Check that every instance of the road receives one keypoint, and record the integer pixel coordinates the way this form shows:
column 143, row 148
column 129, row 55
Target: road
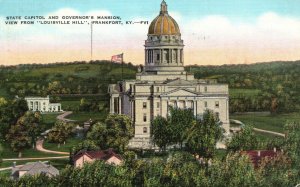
column 63, row 116
column 259, row 130
column 39, row 147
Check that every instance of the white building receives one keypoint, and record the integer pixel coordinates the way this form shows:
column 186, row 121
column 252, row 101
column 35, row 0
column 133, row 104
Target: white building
column 42, row 104
column 163, row 83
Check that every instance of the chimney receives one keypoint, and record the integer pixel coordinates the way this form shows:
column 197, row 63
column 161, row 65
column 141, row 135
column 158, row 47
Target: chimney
column 274, row 150
column 258, row 153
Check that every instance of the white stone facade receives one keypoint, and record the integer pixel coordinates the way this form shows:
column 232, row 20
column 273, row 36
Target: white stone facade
column 42, row 104
column 164, row 83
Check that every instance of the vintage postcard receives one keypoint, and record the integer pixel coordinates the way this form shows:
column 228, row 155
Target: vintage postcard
column 149, row 93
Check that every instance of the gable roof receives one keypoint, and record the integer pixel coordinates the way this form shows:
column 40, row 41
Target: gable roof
column 180, row 92
column 97, row 155
column 256, row 158
column 36, row 168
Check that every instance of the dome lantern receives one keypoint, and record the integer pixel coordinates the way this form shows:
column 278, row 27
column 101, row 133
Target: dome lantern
column 163, row 7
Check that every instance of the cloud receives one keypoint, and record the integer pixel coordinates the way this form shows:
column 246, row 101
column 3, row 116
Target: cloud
column 211, row 39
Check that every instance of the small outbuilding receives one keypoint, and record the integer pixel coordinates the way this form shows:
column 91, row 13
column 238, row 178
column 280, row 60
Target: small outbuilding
column 34, row 168
column 109, row 156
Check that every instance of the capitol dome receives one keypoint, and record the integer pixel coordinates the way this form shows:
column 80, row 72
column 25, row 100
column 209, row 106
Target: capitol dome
column 164, row 24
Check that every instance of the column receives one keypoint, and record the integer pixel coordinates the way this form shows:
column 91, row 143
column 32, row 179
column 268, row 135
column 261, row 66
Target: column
column 111, row 105
column 160, row 55
column 146, row 56
column 167, row 108
column 182, row 57
column 194, row 107
column 178, row 56
column 170, row 55
column 163, row 56
column 152, row 56
column 120, row 105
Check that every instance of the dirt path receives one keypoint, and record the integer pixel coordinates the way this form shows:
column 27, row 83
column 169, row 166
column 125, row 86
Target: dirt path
column 9, row 168
column 42, row 158
column 63, row 116
column 259, row 130
column 269, row 132
column 39, row 147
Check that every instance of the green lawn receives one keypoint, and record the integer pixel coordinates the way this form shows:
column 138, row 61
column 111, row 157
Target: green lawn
column 28, row 153
column 84, row 116
column 49, row 119
column 3, row 93
column 70, row 105
column 70, row 143
column 5, row 173
column 266, row 136
column 267, row 121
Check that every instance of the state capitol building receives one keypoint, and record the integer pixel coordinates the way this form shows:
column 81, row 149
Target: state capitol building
column 163, row 83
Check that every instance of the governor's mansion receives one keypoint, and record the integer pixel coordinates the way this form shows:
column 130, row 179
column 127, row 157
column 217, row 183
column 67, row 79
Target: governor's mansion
column 163, row 83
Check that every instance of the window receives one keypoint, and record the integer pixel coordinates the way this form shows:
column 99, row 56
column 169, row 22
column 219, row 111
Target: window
column 205, row 103
column 157, row 89
column 217, row 115
column 217, row 104
column 144, row 105
column 205, row 88
column 157, row 105
column 145, row 118
column 145, row 130
column 157, row 57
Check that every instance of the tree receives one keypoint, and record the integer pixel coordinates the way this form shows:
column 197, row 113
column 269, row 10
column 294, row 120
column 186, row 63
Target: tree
column 24, row 132
column 98, row 134
column 181, row 169
column 18, row 138
column 87, row 145
column 174, row 129
column 204, row 134
column 3, row 102
column 1, row 151
column 32, row 123
column 10, row 112
column 243, row 140
column 60, row 132
column 160, row 132
column 292, row 142
column 120, row 130
column 236, row 170
column 114, row 133
column 180, row 121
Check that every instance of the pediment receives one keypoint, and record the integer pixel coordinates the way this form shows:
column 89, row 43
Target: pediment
column 180, row 93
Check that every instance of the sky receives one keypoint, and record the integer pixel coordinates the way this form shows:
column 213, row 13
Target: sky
column 214, row 32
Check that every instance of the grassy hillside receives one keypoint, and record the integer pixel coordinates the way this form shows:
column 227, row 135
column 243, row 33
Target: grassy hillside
column 254, row 87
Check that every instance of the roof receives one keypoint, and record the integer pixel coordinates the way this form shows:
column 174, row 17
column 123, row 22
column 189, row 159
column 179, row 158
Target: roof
column 257, row 155
column 36, row 168
column 164, row 24
column 97, row 155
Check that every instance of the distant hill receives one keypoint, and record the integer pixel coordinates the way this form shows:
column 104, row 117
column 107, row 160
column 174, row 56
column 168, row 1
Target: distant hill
column 260, row 82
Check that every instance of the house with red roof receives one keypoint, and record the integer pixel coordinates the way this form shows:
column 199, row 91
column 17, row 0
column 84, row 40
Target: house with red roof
column 108, row 156
column 256, row 156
